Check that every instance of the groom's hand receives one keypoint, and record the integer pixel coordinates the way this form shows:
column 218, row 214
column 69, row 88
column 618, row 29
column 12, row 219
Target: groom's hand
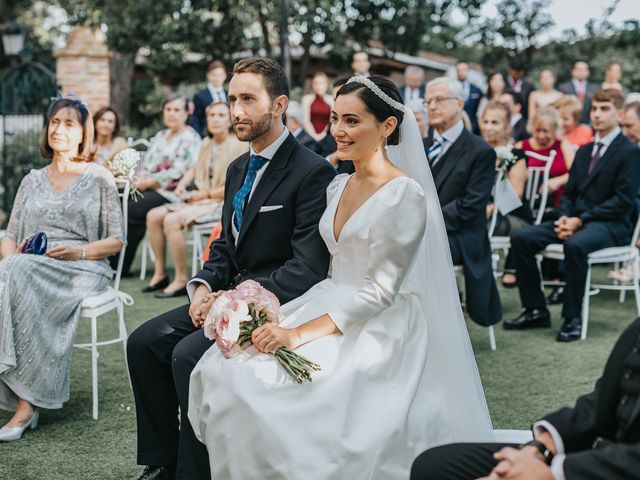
column 195, row 309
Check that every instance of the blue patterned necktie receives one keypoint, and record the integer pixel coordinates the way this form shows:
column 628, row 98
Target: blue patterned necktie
column 255, row 163
column 434, row 152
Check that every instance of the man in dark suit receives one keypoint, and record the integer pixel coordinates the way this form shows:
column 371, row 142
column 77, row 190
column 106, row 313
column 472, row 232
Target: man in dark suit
column 580, row 86
column 463, row 168
column 513, row 100
column 595, row 212
column 274, row 198
column 413, row 88
column 470, row 93
column 598, row 439
column 294, row 123
column 213, row 92
column 517, row 82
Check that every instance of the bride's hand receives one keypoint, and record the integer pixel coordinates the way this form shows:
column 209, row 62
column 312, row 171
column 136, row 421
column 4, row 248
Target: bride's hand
column 270, row 338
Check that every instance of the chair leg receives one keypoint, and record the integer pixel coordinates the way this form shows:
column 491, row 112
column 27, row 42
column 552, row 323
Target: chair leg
column 94, row 365
column 143, row 261
column 636, row 278
column 122, row 329
column 492, row 338
column 585, row 305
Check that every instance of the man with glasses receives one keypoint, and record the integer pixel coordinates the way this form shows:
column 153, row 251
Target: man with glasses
column 463, row 168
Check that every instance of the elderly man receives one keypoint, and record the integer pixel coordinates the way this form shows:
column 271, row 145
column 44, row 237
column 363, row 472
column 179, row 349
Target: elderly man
column 463, row 168
column 294, row 118
column 630, row 122
column 413, row 88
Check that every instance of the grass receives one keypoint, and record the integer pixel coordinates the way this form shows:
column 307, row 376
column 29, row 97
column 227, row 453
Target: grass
column 529, row 375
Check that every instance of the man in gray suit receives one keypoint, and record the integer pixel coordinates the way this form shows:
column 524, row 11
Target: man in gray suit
column 580, row 86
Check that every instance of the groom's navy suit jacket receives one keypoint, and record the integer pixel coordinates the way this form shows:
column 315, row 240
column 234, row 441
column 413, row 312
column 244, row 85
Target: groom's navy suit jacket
column 279, row 244
column 464, row 177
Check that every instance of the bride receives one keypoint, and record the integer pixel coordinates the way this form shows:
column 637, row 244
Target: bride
column 398, row 372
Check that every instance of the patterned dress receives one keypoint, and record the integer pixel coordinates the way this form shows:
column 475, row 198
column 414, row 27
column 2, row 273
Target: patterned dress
column 40, row 296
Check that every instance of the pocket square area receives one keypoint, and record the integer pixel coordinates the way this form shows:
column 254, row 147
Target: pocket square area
column 270, row 208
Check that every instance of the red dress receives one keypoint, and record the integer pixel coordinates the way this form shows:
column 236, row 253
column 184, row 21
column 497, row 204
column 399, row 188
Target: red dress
column 320, row 114
column 558, row 167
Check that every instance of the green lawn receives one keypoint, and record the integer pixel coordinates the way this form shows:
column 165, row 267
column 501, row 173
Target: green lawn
column 528, row 375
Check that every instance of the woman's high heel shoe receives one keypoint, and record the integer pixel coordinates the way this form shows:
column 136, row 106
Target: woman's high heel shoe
column 9, row 434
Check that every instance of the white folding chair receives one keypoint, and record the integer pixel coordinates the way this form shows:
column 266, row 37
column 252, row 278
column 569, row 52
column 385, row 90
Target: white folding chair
column 536, row 193
column 198, row 232
column 98, row 305
column 626, row 254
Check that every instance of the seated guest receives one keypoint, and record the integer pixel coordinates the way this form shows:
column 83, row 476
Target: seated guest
column 597, row 439
column 316, row 107
column 546, row 129
column 107, row 141
column 630, row 122
column 75, row 203
column 595, row 212
column 294, row 122
column 463, row 168
column 422, row 116
column 495, row 88
column 413, row 88
column 570, row 110
column 172, row 152
column 213, row 92
column 494, row 125
column 546, row 95
column 217, row 151
column 471, row 94
column 518, row 122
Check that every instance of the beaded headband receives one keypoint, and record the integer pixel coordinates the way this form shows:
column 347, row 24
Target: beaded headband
column 379, row 93
column 72, row 98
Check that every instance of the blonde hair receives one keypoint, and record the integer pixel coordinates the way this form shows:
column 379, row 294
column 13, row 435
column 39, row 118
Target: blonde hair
column 572, row 103
column 550, row 114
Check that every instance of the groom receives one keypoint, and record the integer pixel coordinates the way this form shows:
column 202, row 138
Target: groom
column 274, row 198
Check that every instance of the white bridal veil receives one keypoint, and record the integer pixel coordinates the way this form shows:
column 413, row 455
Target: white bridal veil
column 450, row 371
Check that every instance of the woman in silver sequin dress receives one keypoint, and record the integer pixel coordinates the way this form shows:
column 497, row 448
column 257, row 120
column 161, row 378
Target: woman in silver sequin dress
column 75, row 202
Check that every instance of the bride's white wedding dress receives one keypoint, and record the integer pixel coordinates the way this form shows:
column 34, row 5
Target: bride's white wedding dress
column 380, row 399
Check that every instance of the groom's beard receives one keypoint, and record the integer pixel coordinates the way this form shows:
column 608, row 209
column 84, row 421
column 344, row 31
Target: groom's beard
column 257, row 129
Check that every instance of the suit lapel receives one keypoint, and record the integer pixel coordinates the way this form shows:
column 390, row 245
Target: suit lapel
column 448, row 161
column 603, row 160
column 273, row 175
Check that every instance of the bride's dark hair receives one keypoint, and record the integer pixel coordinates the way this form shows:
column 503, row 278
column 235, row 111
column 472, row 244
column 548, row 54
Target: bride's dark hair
column 380, row 109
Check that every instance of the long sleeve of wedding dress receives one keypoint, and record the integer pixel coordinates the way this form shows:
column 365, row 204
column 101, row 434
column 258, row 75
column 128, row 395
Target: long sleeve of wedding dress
column 393, row 237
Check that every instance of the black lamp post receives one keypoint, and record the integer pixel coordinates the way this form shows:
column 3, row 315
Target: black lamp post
column 12, row 38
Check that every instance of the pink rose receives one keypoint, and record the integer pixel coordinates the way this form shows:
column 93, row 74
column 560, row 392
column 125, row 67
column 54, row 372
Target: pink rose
column 225, row 317
column 227, row 348
column 263, row 300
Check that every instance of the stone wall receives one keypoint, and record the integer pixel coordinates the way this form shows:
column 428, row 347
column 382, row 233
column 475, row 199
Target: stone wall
column 82, row 67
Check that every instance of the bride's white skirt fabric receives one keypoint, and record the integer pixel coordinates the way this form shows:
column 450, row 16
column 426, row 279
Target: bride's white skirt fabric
column 366, row 415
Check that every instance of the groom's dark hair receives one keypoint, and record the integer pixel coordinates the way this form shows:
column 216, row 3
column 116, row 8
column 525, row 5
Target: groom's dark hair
column 273, row 76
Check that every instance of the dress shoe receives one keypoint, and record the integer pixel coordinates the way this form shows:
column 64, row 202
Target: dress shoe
column 157, row 473
column 176, row 293
column 9, row 434
column 161, row 285
column 529, row 318
column 571, row 330
column 556, row 297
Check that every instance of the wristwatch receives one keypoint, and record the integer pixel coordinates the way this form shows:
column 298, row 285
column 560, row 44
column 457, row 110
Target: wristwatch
column 542, row 448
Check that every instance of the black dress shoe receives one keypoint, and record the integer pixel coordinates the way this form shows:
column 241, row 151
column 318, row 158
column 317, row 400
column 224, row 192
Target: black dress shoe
column 161, row 285
column 158, row 473
column 571, row 330
column 529, row 318
column 556, row 297
column 176, row 293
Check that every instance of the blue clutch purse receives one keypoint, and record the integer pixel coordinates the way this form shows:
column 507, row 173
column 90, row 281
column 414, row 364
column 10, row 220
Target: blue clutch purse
column 36, row 244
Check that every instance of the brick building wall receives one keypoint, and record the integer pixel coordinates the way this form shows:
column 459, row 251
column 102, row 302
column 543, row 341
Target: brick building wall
column 82, row 67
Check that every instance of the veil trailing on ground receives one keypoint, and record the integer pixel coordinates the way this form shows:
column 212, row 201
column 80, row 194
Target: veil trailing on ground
column 451, row 367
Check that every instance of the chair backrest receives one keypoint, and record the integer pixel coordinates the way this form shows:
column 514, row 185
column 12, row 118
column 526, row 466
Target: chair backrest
column 137, row 142
column 538, row 179
column 494, row 213
column 124, row 187
column 636, row 232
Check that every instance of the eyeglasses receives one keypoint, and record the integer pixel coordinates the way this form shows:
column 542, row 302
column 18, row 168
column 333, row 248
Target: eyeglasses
column 437, row 100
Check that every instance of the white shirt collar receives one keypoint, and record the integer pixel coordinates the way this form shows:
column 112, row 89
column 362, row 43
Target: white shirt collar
column 271, row 150
column 515, row 119
column 607, row 139
column 451, row 135
column 579, row 84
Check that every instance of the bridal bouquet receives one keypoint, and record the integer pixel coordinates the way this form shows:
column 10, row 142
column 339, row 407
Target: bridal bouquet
column 237, row 313
column 124, row 165
column 505, row 158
